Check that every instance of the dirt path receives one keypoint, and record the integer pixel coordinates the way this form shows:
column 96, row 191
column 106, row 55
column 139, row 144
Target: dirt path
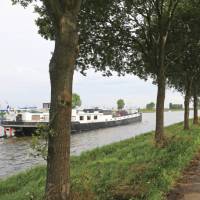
column 188, row 187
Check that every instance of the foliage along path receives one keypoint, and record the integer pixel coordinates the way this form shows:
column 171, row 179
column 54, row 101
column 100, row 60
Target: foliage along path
column 188, row 187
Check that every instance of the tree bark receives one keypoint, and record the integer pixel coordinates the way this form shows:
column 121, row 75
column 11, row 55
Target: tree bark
column 61, row 75
column 186, row 104
column 195, row 105
column 159, row 133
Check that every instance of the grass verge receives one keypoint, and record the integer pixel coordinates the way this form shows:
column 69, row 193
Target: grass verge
column 133, row 169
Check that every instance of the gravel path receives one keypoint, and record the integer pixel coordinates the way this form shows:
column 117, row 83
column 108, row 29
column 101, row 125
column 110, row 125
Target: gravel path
column 188, row 187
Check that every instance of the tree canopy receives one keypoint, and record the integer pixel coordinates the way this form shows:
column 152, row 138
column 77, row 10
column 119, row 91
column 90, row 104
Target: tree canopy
column 120, row 104
column 150, row 106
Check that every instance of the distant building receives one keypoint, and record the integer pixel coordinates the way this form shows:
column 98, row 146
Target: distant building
column 46, row 106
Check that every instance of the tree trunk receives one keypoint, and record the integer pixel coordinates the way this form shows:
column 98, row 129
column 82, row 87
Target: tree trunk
column 159, row 133
column 195, row 105
column 186, row 104
column 61, row 75
column 160, row 104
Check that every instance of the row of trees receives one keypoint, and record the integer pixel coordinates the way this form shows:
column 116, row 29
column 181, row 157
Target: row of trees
column 147, row 38
column 175, row 106
column 184, row 71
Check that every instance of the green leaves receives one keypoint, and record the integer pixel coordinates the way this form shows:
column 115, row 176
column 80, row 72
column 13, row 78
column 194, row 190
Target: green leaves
column 46, row 28
column 39, row 142
column 76, row 100
column 23, row 3
column 183, row 40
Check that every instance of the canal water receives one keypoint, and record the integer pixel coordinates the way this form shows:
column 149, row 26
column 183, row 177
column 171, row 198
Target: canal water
column 15, row 153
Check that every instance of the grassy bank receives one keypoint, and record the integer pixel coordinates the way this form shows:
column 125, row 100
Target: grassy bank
column 129, row 170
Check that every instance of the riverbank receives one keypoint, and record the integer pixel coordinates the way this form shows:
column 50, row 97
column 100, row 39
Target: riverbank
column 131, row 169
column 144, row 110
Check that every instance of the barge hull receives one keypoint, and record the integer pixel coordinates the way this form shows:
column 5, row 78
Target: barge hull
column 100, row 125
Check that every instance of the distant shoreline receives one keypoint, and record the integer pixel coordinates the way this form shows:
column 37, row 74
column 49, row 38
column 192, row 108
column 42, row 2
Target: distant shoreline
column 144, row 110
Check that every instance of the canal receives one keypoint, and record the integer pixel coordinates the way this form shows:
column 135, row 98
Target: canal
column 15, row 153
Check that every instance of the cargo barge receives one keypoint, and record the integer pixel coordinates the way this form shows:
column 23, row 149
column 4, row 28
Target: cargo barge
column 24, row 123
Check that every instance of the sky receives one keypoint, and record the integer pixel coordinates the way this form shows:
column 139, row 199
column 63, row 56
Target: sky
column 24, row 76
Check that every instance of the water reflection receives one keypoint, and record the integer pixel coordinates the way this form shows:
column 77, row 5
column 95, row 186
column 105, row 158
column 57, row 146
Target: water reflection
column 15, row 152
